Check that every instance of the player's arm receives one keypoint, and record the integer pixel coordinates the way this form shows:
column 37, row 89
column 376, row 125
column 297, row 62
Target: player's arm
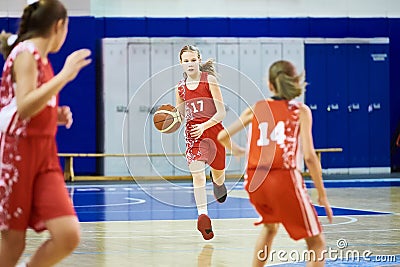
column 31, row 101
column 311, row 159
column 224, row 137
column 179, row 103
column 218, row 102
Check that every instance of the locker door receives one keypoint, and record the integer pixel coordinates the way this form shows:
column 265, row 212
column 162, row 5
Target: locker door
column 337, row 88
column 228, row 69
column 270, row 52
column 115, row 97
column 139, row 118
column 251, row 74
column 179, row 145
column 293, row 51
column 162, row 92
column 379, row 106
column 358, row 150
column 316, row 93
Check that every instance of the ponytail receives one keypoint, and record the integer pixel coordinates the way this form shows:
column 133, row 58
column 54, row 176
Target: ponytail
column 5, row 43
column 209, row 67
column 287, row 83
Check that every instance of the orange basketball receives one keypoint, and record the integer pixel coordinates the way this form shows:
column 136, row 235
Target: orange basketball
column 167, row 119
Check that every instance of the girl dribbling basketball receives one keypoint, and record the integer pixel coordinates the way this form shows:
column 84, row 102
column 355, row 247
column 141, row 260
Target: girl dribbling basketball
column 199, row 97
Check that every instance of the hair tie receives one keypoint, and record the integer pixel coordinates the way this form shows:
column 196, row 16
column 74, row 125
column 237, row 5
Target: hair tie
column 30, row 2
column 11, row 39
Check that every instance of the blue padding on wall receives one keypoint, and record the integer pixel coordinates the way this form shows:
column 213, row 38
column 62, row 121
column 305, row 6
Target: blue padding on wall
column 100, row 28
column 394, row 30
column 249, row 27
column 288, row 27
column 80, row 94
column 208, row 27
column 13, row 24
column 368, row 27
column 165, row 27
column 122, row 27
column 328, row 27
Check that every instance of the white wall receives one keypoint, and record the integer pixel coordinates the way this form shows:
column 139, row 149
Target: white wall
column 14, row 8
column 246, row 8
column 219, row 8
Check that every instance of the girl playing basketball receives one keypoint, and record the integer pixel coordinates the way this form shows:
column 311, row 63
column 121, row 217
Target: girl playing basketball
column 273, row 179
column 199, row 97
column 32, row 188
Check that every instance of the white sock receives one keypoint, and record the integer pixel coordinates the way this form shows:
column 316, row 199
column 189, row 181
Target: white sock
column 200, row 197
column 22, row 264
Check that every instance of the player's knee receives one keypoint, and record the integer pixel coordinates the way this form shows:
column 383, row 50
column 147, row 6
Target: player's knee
column 316, row 242
column 68, row 239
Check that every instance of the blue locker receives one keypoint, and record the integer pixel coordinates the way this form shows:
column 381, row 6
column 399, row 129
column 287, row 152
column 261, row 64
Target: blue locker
column 378, row 108
column 336, row 108
column 316, row 94
column 358, row 70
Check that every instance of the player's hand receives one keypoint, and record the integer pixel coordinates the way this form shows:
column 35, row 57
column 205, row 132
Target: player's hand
column 323, row 201
column 197, row 130
column 64, row 116
column 75, row 62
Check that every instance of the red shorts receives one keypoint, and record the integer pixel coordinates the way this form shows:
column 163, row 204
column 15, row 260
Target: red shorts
column 282, row 198
column 32, row 187
column 206, row 148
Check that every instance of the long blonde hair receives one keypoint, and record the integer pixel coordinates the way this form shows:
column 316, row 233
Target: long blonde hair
column 207, row 66
column 287, row 83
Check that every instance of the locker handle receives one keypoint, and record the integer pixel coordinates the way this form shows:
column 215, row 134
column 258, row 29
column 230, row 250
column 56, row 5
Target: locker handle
column 353, row 106
column 374, row 106
column 122, row 109
column 313, row 106
column 332, row 107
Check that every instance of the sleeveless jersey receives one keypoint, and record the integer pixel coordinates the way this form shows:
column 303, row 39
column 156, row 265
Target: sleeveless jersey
column 199, row 103
column 42, row 124
column 274, row 134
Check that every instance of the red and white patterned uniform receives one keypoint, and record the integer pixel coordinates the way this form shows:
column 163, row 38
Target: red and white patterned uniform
column 32, row 188
column 273, row 179
column 199, row 108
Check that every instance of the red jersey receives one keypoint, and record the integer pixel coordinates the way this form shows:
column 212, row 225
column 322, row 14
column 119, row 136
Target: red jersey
column 42, row 124
column 199, row 108
column 199, row 103
column 274, row 133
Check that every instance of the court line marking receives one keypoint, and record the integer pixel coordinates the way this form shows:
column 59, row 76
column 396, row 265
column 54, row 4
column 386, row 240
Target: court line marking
column 137, row 201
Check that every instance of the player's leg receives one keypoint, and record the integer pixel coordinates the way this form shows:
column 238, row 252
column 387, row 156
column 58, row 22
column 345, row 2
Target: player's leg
column 219, row 188
column 64, row 238
column 12, row 246
column 197, row 169
column 264, row 243
column 316, row 244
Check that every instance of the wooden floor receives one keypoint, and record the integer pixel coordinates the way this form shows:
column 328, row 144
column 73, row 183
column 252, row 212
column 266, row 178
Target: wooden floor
column 372, row 222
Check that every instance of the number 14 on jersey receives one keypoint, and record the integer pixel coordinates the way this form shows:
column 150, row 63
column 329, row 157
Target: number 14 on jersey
column 277, row 134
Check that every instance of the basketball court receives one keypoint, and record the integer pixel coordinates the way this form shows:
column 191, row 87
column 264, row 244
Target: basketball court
column 154, row 224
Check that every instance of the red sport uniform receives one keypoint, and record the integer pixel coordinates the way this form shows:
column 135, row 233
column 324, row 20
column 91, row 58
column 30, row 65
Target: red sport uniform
column 273, row 179
column 199, row 108
column 32, row 187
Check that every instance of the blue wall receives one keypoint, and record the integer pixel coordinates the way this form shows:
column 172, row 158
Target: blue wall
column 81, row 94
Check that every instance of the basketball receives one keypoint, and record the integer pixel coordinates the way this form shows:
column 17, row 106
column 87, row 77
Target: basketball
column 167, row 119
